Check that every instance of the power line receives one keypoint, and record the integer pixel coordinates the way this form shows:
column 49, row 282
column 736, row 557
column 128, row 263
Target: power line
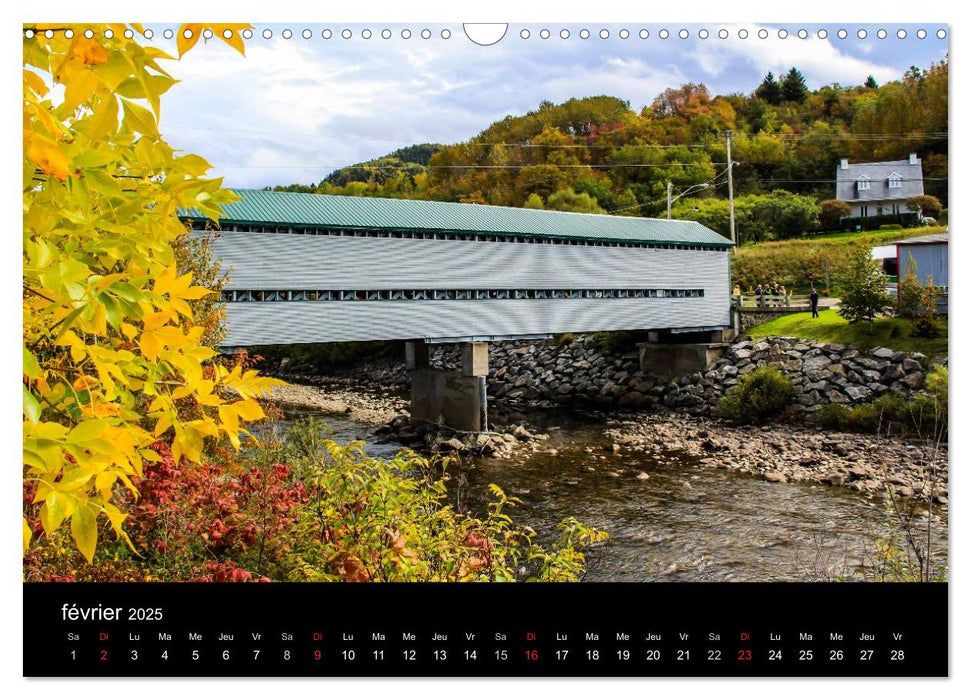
column 784, row 137
column 478, row 167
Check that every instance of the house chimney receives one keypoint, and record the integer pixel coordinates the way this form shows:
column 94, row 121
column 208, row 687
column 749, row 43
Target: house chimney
column 913, row 159
column 844, row 163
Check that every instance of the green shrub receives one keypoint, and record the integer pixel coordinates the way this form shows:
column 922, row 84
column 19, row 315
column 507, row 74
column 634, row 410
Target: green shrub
column 923, row 415
column 761, row 395
column 890, row 227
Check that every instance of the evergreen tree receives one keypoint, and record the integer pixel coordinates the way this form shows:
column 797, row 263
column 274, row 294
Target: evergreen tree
column 862, row 288
column 769, row 90
column 871, row 83
column 793, row 86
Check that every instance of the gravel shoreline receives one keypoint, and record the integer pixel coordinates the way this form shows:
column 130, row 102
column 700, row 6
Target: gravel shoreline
column 866, row 463
column 777, row 453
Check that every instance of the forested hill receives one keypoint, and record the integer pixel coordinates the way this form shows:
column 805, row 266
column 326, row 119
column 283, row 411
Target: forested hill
column 599, row 154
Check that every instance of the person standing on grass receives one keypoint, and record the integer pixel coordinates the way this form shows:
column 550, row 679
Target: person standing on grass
column 814, row 302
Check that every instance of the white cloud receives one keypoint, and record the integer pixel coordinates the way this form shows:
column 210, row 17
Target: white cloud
column 312, row 106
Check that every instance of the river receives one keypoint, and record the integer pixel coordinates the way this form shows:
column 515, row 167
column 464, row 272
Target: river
column 686, row 522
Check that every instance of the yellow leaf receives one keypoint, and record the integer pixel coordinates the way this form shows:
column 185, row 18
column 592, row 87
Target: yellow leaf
column 90, row 51
column 80, row 87
column 84, row 529
column 195, row 293
column 163, row 283
column 35, row 83
column 49, row 157
column 185, row 43
column 249, row 410
column 235, row 38
column 139, row 119
column 27, row 536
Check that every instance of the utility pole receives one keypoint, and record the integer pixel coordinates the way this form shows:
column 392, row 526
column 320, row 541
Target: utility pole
column 731, row 190
column 670, row 188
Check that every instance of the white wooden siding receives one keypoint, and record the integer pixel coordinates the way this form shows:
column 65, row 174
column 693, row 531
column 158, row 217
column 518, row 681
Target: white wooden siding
column 271, row 261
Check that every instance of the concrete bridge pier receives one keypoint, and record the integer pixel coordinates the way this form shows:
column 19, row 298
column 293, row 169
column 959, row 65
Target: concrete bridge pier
column 457, row 399
column 670, row 354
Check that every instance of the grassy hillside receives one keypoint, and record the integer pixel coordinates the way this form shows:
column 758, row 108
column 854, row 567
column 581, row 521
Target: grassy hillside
column 791, row 262
column 830, row 327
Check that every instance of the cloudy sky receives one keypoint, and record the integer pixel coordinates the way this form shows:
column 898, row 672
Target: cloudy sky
column 295, row 109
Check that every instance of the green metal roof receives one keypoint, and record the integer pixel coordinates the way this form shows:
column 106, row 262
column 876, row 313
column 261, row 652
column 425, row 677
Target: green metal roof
column 261, row 207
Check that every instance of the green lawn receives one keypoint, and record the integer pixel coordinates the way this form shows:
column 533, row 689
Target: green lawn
column 830, row 327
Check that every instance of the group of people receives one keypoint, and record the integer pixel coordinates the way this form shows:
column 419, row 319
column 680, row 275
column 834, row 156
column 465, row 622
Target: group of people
column 771, row 295
column 777, row 295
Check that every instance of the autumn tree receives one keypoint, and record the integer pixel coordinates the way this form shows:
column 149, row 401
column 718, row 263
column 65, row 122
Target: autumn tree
column 113, row 359
column 926, row 204
column 832, row 211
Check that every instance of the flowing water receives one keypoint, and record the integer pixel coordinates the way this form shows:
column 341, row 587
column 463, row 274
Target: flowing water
column 686, row 522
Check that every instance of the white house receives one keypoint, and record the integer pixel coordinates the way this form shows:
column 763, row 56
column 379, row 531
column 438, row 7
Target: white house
column 878, row 189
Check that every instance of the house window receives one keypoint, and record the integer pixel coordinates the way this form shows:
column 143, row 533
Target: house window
column 894, row 180
column 863, row 211
column 863, row 183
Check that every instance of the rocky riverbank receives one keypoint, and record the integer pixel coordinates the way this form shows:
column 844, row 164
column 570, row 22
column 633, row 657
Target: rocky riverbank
column 787, row 453
column 777, row 453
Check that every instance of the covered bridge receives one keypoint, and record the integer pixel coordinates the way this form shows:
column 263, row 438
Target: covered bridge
column 305, row 268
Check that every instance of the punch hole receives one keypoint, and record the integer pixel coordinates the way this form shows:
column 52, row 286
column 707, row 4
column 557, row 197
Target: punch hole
column 703, row 34
column 486, row 34
column 802, row 34
column 168, row 34
column 524, row 34
column 564, row 33
column 207, row 34
column 247, row 33
column 385, row 33
column 881, row 34
column 763, row 34
column 267, row 34
column 901, row 33
column 405, row 33
column 783, row 34
column 446, row 34
column 722, row 33
column 544, row 33
column 643, row 34
column 366, row 34
column 842, row 33
column 346, row 34
column 149, row 34
column 664, row 33
column 306, row 34
column 921, row 33
column 822, row 34
column 743, row 33
column 287, row 34
column 941, row 33
column 326, row 34
column 69, row 33
column 604, row 34
column 426, row 34
column 584, row 33
column 623, row 34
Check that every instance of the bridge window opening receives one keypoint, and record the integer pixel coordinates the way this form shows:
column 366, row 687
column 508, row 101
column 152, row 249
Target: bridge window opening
column 256, row 295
